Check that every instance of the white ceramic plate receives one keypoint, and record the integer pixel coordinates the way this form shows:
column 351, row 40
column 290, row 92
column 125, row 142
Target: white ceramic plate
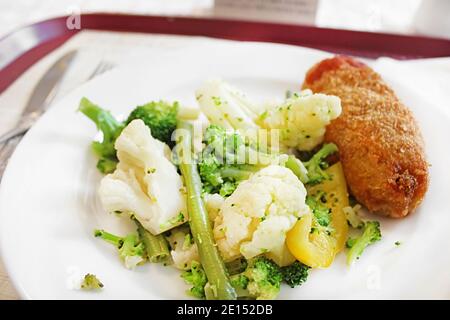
column 49, row 207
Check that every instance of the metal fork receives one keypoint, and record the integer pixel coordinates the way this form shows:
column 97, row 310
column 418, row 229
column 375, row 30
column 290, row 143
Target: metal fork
column 102, row 67
column 9, row 146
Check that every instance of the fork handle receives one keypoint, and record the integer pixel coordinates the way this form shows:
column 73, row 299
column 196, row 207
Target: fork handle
column 12, row 133
column 6, row 151
column 24, row 124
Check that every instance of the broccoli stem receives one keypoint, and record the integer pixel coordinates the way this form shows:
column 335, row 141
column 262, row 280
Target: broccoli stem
column 315, row 165
column 237, row 173
column 324, row 152
column 156, row 247
column 370, row 235
column 106, row 165
column 199, row 220
column 297, row 168
column 109, row 237
column 110, row 127
column 102, row 118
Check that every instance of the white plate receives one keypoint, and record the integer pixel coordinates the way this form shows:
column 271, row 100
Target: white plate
column 49, row 208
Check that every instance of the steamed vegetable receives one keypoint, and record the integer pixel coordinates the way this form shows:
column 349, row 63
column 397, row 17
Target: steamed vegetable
column 213, row 202
column 156, row 247
column 160, row 117
column 196, row 277
column 131, row 250
column 281, row 257
column 371, row 234
column 236, row 266
column 218, row 281
column 295, row 274
column 320, row 211
column 237, row 213
column 225, row 161
column 145, row 183
column 351, row 213
column 310, row 243
column 261, row 279
column 184, row 250
column 226, row 106
column 256, row 217
column 91, row 282
column 334, row 195
column 302, row 118
column 316, row 165
column 229, row 158
column 110, row 128
column 297, row 168
column 318, row 237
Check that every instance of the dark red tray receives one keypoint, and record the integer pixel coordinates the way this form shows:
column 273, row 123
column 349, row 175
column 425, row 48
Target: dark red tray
column 45, row 36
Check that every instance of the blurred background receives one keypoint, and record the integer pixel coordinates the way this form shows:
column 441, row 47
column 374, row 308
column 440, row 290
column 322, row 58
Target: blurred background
column 430, row 17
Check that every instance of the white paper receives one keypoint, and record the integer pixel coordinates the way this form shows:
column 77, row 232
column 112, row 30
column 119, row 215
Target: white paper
column 285, row 11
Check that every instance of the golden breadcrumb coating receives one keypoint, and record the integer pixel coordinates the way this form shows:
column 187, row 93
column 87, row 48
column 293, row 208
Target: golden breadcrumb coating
column 380, row 144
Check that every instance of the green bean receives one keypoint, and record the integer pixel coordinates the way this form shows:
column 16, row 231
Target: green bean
column 219, row 286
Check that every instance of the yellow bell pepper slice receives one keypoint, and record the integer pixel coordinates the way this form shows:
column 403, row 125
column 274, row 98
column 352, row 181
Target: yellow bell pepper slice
column 315, row 249
column 318, row 248
column 336, row 196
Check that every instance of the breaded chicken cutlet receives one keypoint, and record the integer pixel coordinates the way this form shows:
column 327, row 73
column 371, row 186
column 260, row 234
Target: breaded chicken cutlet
column 380, row 144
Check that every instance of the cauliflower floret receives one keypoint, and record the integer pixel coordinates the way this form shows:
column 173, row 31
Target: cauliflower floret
column 145, row 182
column 259, row 213
column 213, row 202
column 302, row 119
column 283, row 257
column 184, row 250
column 225, row 105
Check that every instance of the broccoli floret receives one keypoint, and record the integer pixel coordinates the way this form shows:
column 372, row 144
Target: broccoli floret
column 91, row 282
column 160, row 117
column 350, row 242
column 295, row 274
column 316, row 165
column 224, row 145
column 111, row 129
column 370, row 235
column 261, row 279
column 131, row 250
column 240, row 283
column 222, row 166
column 106, row 166
column 228, row 159
column 320, row 211
column 209, row 170
column 196, row 277
column 228, row 188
